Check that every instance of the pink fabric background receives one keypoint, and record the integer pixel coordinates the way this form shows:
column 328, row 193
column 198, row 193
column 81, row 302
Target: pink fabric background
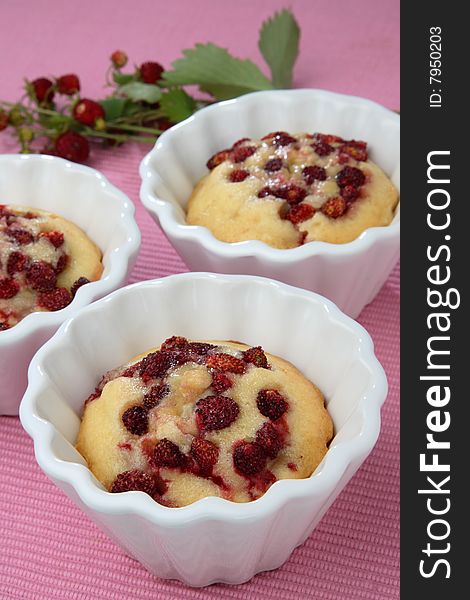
column 49, row 548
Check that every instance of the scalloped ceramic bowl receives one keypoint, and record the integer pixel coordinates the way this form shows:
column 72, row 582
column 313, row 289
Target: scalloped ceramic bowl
column 349, row 274
column 88, row 199
column 212, row 540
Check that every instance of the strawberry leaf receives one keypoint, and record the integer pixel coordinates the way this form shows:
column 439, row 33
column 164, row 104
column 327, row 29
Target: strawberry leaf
column 279, row 45
column 114, row 107
column 137, row 91
column 215, row 71
column 177, row 105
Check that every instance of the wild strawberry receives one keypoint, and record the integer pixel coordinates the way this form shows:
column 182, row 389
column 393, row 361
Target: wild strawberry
column 226, row 363
column 355, row 149
column 43, row 90
column 322, row 148
column 3, row 120
column 273, row 165
column 56, row 238
column 155, row 394
column 41, row 276
column 265, row 191
column 218, row 158
column 216, row 412
column 349, row 193
column 271, row 404
column 249, row 458
column 17, row 262
column 8, row 288
column 175, row 342
column 328, row 138
column 20, row 235
column 240, row 142
column 292, row 193
column 134, row 480
column 72, row 146
column 350, row 176
column 167, row 454
column 334, row 207
column 156, row 365
column 135, row 420
column 55, row 299
column 163, row 124
column 77, row 284
column 205, row 454
column 200, row 348
column 119, row 59
column 88, row 112
column 220, row 382
column 269, row 439
column 68, row 84
column 299, row 213
column 151, row 72
column 314, row 173
column 256, row 356
column 279, row 138
column 238, row 175
column 61, row 263
column 4, row 326
column 241, row 153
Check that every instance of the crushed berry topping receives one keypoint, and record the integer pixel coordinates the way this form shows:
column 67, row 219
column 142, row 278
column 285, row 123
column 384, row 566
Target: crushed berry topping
column 200, row 348
column 135, row 420
column 17, row 262
column 334, row 207
column 241, row 153
column 355, row 149
column 218, row 158
column 56, row 238
column 8, row 288
column 41, row 276
column 271, row 404
column 134, row 480
column 322, row 148
column 350, row 176
column 205, row 454
column 226, row 363
column 299, row 213
column 55, row 299
column 249, row 458
column 314, row 173
column 155, row 394
column 175, row 342
column 273, row 165
column 216, row 412
column 167, row 454
column 78, row 284
column 220, row 382
column 269, row 439
column 238, row 175
column 131, row 371
column 20, row 235
column 256, row 356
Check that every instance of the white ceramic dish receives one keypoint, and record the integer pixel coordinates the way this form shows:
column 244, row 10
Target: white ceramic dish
column 213, row 539
column 88, row 199
column 349, row 274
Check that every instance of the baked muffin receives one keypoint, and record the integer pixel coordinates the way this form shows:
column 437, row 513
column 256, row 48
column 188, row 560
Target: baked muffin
column 197, row 419
column 44, row 259
column 287, row 190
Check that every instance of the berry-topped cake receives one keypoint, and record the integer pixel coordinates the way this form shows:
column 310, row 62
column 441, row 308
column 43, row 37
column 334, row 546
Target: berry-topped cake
column 287, row 190
column 197, row 419
column 44, row 259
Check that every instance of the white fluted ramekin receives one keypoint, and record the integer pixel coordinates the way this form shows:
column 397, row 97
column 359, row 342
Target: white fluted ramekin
column 349, row 274
column 212, row 540
column 85, row 197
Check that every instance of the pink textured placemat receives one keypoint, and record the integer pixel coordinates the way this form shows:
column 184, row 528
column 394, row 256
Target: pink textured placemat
column 49, row 548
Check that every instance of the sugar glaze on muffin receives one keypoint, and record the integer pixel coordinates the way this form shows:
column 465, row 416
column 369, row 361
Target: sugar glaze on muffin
column 287, row 190
column 44, row 259
column 197, row 419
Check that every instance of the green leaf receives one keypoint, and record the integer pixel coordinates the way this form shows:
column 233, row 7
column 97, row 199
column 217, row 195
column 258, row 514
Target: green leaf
column 114, row 107
column 122, row 78
column 279, row 45
column 141, row 91
column 177, row 105
column 215, row 71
